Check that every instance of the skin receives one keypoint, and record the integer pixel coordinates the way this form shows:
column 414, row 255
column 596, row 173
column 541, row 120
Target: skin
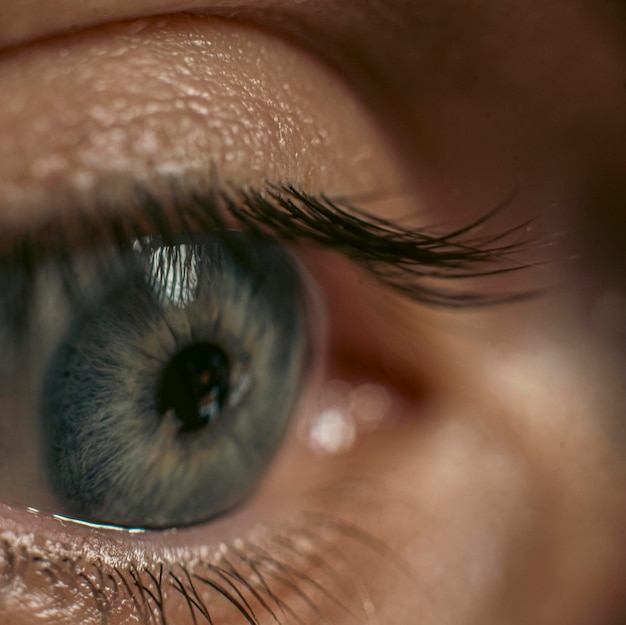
column 498, row 478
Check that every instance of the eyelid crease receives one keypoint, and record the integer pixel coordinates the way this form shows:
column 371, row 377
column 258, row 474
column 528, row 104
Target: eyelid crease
column 403, row 258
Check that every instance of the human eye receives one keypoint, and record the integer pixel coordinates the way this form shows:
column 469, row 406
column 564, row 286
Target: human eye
column 183, row 380
column 278, row 337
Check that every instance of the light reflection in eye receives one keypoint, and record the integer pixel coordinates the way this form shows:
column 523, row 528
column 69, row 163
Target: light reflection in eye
column 172, row 278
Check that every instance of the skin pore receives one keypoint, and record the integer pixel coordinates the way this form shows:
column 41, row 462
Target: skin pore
column 494, row 491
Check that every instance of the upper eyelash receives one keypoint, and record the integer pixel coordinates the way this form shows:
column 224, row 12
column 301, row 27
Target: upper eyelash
column 404, row 259
column 401, row 258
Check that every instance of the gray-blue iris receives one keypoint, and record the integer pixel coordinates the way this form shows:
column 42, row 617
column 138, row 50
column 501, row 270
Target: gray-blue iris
column 169, row 396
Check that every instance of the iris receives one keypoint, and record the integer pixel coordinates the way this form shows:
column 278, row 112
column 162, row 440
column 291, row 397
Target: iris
column 169, row 394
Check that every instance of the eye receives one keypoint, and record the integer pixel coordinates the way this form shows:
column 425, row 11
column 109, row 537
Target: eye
column 166, row 398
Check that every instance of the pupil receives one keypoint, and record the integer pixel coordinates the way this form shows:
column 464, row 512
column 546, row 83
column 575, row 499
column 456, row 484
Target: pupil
column 195, row 386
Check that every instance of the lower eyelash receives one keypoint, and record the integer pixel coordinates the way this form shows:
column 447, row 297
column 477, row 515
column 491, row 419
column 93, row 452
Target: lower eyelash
column 282, row 573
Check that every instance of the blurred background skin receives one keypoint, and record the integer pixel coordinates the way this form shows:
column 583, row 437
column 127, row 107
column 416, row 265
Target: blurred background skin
column 476, row 99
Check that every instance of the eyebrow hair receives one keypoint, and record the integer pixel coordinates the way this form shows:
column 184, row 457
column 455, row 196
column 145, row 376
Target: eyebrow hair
column 424, row 265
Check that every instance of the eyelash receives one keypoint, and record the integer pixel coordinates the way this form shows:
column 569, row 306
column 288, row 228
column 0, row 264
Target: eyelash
column 404, row 259
column 401, row 258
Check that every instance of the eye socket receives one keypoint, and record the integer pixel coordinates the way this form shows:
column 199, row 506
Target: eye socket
column 239, row 108
column 264, row 115
column 167, row 398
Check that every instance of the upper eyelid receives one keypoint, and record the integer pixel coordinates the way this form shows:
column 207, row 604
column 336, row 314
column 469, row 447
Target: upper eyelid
column 257, row 108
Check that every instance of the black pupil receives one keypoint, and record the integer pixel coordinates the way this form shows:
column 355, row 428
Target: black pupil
column 195, row 385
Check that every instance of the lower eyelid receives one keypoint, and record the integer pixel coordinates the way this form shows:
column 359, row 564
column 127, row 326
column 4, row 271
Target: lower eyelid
column 291, row 567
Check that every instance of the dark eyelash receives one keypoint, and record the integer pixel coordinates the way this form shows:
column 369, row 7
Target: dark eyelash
column 405, row 259
column 413, row 262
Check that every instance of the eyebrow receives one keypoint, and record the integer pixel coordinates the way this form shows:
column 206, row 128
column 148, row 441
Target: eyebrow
column 426, row 265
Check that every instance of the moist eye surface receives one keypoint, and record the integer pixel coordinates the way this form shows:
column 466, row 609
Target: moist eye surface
column 168, row 396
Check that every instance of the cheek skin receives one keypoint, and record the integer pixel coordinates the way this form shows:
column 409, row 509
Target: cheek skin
column 557, row 412
column 496, row 484
column 504, row 474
